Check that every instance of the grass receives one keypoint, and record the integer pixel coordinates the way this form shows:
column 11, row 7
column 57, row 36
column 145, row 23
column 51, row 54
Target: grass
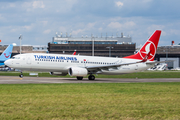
column 145, row 74
column 129, row 101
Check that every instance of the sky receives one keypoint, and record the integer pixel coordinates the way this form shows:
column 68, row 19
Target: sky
column 39, row 20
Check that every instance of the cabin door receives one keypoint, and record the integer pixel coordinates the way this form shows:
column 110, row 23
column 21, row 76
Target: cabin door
column 28, row 61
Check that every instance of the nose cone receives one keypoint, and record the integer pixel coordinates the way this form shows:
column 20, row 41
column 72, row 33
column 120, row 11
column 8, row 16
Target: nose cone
column 7, row 63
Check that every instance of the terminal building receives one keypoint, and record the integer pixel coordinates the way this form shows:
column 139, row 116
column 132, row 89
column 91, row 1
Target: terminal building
column 93, row 46
column 25, row 49
column 171, row 52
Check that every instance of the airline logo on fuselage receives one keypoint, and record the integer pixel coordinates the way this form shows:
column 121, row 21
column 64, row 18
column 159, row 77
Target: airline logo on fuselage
column 55, row 57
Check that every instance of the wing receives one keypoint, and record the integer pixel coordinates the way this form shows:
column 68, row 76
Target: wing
column 115, row 66
column 109, row 67
column 95, row 69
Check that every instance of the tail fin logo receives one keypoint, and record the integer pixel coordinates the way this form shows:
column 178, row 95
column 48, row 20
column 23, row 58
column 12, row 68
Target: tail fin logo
column 148, row 47
column 8, row 55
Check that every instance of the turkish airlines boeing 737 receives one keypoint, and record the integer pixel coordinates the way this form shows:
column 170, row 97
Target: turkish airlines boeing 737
column 80, row 66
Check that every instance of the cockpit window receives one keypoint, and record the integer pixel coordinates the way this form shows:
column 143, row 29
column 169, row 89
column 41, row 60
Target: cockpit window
column 15, row 58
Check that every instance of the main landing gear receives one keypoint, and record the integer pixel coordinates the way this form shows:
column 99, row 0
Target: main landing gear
column 90, row 77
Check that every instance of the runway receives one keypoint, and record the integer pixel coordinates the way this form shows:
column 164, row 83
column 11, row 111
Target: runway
column 46, row 80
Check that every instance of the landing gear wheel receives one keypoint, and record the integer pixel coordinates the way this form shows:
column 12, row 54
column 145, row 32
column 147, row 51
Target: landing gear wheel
column 91, row 77
column 21, row 75
column 79, row 78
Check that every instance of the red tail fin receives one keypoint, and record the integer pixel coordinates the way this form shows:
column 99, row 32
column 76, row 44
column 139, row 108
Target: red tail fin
column 149, row 47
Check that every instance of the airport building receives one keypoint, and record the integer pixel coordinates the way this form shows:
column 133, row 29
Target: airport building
column 172, row 52
column 25, row 49
column 93, row 46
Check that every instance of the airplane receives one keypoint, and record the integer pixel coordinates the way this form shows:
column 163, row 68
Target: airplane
column 81, row 66
column 74, row 53
column 6, row 55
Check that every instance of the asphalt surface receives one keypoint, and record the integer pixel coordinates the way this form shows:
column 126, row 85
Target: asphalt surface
column 45, row 80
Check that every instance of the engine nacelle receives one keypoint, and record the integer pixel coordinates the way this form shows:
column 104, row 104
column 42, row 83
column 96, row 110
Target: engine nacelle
column 77, row 71
column 58, row 73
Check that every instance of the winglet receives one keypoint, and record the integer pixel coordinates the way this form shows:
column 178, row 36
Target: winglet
column 74, row 53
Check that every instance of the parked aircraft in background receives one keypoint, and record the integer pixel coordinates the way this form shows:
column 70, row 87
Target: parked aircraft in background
column 160, row 67
column 80, row 66
column 6, row 55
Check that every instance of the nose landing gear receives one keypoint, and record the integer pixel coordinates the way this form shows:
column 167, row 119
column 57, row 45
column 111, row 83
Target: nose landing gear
column 21, row 75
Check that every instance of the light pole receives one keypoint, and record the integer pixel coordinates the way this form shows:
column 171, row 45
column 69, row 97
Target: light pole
column 20, row 38
column 110, row 50
column 93, row 39
column 167, row 53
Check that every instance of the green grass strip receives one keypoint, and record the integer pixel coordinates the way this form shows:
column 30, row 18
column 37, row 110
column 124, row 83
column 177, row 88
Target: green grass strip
column 122, row 101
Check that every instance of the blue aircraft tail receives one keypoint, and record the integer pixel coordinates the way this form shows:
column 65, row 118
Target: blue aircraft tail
column 7, row 53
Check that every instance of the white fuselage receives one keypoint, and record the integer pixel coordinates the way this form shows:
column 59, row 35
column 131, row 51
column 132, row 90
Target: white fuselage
column 61, row 63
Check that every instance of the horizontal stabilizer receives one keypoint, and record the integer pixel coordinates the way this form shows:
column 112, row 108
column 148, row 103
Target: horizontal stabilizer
column 154, row 62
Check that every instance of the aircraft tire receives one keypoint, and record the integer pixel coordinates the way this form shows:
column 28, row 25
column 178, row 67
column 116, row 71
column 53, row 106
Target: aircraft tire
column 79, row 78
column 21, row 75
column 91, row 77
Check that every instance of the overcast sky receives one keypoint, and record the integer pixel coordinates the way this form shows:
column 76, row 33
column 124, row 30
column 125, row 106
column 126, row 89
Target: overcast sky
column 39, row 20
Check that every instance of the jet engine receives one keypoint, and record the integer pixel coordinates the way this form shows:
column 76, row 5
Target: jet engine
column 77, row 71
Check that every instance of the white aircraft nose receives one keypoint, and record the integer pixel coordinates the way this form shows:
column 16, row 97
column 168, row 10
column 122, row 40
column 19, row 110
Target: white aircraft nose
column 7, row 62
